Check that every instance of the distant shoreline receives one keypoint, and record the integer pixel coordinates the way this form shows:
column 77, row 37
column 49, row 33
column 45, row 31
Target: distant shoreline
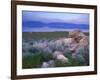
column 83, row 30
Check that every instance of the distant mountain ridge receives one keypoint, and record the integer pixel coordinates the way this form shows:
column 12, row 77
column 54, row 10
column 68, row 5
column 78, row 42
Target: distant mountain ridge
column 68, row 25
column 59, row 25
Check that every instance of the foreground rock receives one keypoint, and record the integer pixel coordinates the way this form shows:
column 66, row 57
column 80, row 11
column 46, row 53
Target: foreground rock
column 48, row 64
column 60, row 56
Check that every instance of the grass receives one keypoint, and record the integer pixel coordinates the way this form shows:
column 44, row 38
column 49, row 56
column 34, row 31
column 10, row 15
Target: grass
column 44, row 35
column 36, row 60
column 32, row 61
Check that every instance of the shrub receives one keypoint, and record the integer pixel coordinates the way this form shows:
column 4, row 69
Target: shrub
column 33, row 61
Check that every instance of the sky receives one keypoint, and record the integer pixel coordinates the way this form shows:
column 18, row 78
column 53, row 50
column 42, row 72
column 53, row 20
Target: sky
column 40, row 21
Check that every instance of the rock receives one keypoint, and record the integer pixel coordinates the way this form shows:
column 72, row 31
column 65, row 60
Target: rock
column 45, row 65
column 60, row 56
column 51, row 63
column 56, row 53
column 48, row 64
column 68, row 41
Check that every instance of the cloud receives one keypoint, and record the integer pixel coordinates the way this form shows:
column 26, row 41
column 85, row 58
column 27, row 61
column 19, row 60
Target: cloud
column 48, row 17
